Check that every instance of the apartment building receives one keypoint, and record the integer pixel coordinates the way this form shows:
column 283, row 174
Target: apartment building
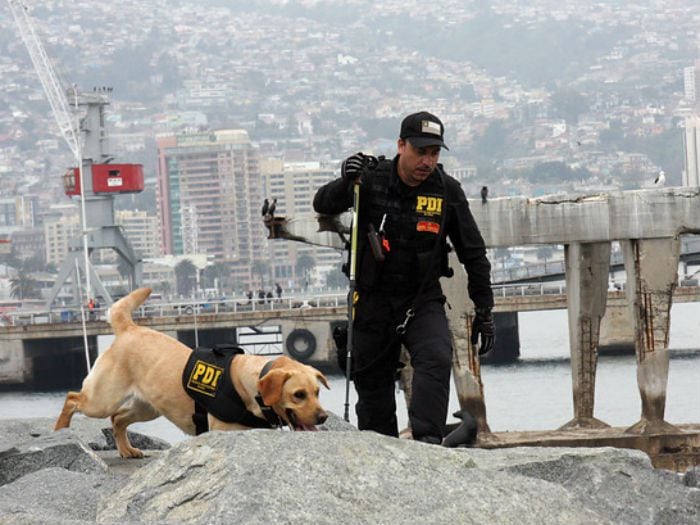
column 294, row 184
column 209, row 194
column 142, row 231
column 58, row 234
column 691, row 149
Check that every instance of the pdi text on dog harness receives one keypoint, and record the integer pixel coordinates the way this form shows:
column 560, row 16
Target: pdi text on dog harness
column 207, row 380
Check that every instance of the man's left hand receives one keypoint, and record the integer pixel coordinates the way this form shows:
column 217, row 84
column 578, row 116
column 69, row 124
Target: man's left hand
column 483, row 327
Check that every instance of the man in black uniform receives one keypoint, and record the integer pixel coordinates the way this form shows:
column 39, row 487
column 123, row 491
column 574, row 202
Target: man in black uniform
column 408, row 207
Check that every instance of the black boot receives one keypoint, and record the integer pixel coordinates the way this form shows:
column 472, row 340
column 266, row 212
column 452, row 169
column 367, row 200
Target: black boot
column 464, row 434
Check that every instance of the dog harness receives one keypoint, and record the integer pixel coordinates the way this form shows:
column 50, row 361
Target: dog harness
column 207, row 380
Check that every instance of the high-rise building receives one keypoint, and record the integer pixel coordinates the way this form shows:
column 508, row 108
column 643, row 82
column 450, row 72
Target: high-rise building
column 294, row 185
column 57, row 235
column 691, row 148
column 18, row 212
column 689, row 83
column 142, row 230
column 209, row 196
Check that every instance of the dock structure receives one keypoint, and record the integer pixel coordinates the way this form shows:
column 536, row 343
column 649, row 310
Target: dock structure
column 648, row 224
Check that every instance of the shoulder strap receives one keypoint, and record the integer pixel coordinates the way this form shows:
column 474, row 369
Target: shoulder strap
column 401, row 329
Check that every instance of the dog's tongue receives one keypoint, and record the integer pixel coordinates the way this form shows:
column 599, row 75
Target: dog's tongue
column 306, row 428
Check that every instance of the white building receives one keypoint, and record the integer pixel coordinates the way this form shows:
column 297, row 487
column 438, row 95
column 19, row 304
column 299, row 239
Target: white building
column 691, row 149
column 294, row 185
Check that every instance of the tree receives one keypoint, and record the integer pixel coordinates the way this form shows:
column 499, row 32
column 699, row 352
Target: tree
column 10, row 259
column 186, row 277
column 305, row 263
column 215, row 275
column 261, row 268
column 24, row 286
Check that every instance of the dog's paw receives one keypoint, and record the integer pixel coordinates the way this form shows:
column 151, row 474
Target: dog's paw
column 131, row 452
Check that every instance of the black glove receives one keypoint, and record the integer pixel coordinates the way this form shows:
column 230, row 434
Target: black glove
column 483, row 326
column 355, row 165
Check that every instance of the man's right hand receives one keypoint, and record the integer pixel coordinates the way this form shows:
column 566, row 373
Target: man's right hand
column 355, row 165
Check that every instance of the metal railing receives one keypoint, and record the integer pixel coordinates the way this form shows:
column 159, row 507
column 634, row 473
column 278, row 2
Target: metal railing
column 176, row 309
column 214, row 307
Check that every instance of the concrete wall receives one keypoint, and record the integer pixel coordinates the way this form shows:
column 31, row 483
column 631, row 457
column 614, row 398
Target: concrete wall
column 12, row 365
column 565, row 219
column 554, row 219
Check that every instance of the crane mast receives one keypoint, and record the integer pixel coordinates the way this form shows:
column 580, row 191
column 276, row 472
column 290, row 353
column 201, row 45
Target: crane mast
column 94, row 179
column 47, row 76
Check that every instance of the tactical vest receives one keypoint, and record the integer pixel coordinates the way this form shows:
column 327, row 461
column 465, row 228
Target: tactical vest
column 411, row 221
column 207, row 379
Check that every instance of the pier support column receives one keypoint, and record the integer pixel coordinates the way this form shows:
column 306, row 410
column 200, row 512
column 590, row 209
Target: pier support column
column 651, row 266
column 466, row 369
column 587, row 266
column 13, row 365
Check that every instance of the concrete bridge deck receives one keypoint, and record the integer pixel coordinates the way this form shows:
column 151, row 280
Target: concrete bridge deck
column 163, row 317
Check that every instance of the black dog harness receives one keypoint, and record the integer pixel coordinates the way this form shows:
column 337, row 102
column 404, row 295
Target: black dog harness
column 207, row 380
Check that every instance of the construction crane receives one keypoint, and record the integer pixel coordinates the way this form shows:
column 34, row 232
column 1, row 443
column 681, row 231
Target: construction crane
column 96, row 181
column 67, row 124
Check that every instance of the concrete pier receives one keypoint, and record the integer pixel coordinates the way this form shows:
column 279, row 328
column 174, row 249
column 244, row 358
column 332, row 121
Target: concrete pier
column 651, row 278
column 586, row 279
column 648, row 223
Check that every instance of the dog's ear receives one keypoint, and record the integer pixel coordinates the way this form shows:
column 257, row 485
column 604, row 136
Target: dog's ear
column 322, row 379
column 270, row 386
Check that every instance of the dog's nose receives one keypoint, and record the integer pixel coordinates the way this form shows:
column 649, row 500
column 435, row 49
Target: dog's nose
column 321, row 417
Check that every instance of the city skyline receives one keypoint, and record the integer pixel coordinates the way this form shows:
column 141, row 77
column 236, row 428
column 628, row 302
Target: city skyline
column 604, row 109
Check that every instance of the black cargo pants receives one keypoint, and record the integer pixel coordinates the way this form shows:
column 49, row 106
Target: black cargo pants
column 374, row 365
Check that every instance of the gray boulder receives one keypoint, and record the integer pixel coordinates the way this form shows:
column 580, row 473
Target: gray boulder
column 337, row 423
column 55, row 495
column 60, row 449
column 264, row 476
column 96, row 433
column 330, row 476
column 618, row 483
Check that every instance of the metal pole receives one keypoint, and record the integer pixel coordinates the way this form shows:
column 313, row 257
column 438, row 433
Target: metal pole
column 196, row 332
column 351, row 295
column 79, row 160
column 82, row 317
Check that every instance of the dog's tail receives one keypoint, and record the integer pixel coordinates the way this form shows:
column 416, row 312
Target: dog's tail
column 119, row 314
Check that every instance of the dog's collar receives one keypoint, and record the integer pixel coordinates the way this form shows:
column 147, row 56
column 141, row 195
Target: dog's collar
column 270, row 415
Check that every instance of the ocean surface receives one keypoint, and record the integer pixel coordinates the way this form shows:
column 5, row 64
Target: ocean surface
column 533, row 394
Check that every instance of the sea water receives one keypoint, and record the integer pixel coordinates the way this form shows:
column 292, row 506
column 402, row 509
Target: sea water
column 532, row 394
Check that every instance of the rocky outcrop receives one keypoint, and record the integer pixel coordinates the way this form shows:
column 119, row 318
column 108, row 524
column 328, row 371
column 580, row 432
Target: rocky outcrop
column 95, row 433
column 267, row 476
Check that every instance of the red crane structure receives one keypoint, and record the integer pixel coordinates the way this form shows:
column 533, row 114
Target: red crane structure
column 95, row 180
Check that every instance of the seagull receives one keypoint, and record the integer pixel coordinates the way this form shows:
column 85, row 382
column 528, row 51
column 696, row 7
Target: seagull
column 266, row 207
column 484, row 194
column 661, row 179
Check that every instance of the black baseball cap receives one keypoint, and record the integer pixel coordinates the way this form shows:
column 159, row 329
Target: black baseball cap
column 423, row 129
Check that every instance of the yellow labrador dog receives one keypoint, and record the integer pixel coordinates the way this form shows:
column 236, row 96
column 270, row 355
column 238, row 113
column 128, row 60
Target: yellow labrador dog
column 140, row 377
